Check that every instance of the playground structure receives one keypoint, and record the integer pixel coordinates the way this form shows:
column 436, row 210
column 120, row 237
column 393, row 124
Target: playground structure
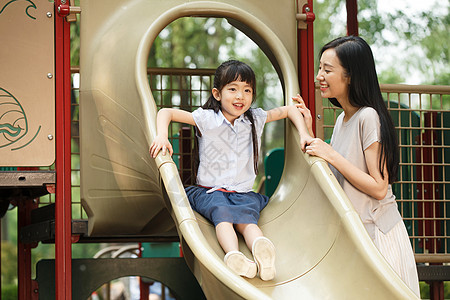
column 120, row 182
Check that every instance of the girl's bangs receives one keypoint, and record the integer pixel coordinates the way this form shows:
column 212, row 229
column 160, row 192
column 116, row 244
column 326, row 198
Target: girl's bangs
column 239, row 73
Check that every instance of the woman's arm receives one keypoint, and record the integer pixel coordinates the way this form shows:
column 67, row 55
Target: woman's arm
column 163, row 119
column 371, row 184
column 295, row 116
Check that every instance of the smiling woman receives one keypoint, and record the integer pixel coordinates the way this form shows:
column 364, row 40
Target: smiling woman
column 332, row 77
column 363, row 152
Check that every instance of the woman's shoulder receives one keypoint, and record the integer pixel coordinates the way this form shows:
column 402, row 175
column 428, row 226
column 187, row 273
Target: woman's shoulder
column 370, row 116
column 368, row 112
column 369, row 119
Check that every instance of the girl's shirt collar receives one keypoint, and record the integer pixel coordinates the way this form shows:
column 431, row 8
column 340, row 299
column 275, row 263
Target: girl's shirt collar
column 220, row 118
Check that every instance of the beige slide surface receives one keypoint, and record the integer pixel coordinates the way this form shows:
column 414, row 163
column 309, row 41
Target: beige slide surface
column 323, row 251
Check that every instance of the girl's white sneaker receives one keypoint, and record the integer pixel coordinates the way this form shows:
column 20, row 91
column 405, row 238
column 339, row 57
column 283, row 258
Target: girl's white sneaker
column 264, row 255
column 240, row 264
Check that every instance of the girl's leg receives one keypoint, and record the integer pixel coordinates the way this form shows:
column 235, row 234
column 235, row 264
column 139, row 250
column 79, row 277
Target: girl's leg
column 250, row 232
column 234, row 259
column 262, row 248
column 227, row 237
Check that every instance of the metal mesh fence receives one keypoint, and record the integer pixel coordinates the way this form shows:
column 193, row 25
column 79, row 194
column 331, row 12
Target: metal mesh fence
column 421, row 115
column 185, row 89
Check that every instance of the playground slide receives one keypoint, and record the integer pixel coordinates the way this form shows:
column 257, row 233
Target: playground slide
column 323, row 251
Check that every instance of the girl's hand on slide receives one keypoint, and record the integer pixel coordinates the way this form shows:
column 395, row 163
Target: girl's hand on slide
column 160, row 144
column 305, row 112
column 304, row 141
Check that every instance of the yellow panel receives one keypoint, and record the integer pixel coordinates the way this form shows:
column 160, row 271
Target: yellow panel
column 27, row 97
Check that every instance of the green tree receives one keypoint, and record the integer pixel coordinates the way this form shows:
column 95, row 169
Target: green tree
column 327, row 24
column 9, row 263
column 416, row 42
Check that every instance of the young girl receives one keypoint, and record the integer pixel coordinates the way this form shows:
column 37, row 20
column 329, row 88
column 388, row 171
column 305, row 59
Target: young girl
column 229, row 136
column 363, row 154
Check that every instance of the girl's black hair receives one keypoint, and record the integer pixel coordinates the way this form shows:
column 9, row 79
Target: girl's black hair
column 357, row 59
column 229, row 71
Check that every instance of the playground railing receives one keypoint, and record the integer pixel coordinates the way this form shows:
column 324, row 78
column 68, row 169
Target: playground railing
column 421, row 114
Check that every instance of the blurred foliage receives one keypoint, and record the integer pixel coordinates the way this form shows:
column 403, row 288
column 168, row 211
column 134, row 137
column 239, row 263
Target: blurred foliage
column 9, row 292
column 425, row 290
column 417, row 42
column 8, row 263
column 192, row 43
column 75, row 40
column 326, row 25
column 75, row 43
column 425, row 40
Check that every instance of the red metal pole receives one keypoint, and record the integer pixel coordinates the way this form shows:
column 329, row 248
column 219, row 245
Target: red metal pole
column 429, row 209
column 437, row 290
column 144, row 288
column 305, row 40
column 352, row 17
column 24, row 207
column 303, row 64
column 311, row 75
column 1, row 239
column 63, row 213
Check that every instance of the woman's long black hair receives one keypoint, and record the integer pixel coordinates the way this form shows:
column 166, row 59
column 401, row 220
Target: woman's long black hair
column 357, row 59
column 229, row 71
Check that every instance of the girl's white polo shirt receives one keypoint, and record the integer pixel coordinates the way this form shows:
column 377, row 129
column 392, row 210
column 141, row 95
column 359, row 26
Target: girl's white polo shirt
column 226, row 150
